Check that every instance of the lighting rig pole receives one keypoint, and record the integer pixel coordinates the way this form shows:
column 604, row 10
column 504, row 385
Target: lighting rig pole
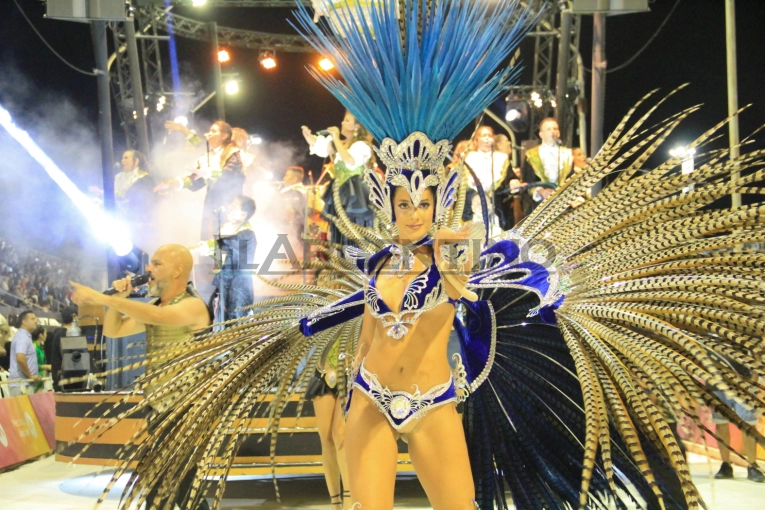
column 561, row 82
column 730, row 52
column 135, row 79
column 98, row 33
column 220, row 108
column 598, row 92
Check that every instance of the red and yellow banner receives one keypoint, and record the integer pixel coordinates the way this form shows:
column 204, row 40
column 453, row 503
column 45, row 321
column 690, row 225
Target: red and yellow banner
column 44, row 405
column 21, row 437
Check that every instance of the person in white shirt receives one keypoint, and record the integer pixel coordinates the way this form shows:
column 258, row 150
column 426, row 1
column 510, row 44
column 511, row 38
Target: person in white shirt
column 350, row 150
column 24, row 356
column 547, row 162
column 489, row 166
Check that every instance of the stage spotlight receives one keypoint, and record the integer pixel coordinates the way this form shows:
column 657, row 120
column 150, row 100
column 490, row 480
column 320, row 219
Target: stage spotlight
column 255, row 140
column 105, row 227
column 326, row 64
column 198, row 3
column 119, row 239
column 517, row 115
column 183, row 121
column 268, row 59
column 232, row 87
column 223, row 56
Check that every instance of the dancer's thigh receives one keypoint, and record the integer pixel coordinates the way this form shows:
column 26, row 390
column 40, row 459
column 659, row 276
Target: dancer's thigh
column 371, row 453
column 338, row 426
column 324, row 409
column 439, row 455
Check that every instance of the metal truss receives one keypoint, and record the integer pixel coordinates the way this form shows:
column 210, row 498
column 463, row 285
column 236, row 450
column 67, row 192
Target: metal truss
column 150, row 54
column 288, row 4
column 151, row 60
column 573, row 85
column 122, row 86
column 544, row 61
column 152, row 21
column 547, row 43
column 193, row 29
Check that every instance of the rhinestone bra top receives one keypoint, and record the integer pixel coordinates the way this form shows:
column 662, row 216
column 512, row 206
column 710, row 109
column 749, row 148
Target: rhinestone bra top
column 423, row 294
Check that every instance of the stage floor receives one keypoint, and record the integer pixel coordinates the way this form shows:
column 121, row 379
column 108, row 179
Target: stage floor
column 50, row 485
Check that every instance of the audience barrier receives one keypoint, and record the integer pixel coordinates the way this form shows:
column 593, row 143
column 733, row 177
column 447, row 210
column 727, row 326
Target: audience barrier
column 26, row 428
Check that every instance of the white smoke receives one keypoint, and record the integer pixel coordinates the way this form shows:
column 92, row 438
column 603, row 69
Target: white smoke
column 34, row 211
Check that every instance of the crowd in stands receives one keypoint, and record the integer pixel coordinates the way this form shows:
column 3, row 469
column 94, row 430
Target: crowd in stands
column 31, row 279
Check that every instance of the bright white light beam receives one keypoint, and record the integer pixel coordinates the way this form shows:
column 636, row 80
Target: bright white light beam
column 104, row 227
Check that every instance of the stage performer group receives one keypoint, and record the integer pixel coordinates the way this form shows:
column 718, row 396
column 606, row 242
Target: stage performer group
column 583, row 331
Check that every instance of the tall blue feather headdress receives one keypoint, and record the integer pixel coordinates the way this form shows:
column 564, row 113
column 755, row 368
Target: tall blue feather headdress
column 417, row 74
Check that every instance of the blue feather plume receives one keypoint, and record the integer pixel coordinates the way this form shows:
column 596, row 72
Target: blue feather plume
column 435, row 78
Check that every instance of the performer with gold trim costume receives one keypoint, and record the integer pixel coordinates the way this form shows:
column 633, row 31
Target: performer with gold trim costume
column 570, row 323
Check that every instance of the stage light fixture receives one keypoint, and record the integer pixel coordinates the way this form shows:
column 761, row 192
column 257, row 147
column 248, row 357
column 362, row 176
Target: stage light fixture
column 105, row 227
column 232, row 87
column 517, row 114
column 223, row 56
column 268, row 59
column 326, row 64
column 198, row 3
column 183, row 121
column 255, row 140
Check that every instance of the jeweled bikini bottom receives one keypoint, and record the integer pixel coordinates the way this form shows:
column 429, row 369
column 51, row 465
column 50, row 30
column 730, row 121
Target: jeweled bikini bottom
column 401, row 407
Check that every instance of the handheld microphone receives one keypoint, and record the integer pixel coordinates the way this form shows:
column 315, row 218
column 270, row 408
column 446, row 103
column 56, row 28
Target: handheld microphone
column 558, row 141
column 322, row 132
column 136, row 281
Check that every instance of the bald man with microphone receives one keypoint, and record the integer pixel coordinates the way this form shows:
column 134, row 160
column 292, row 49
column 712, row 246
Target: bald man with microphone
column 176, row 314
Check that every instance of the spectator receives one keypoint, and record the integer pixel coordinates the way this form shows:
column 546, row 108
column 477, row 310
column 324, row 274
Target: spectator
column 579, row 162
column 133, row 188
column 754, row 473
column 547, row 162
column 56, row 355
column 26, row 273
column 293, row 197
column 220, row 171
column 350, row 150
column 458, row 156
column 488, row 164
column 578, row 159
column 233, row 283
column 23, row 355
column 502, row 144
column 5, row 346
column 242, row 140
column 490, row 167
column 39, row 337
column 460, row 151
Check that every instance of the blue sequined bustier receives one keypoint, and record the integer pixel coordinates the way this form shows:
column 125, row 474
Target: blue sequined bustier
column 423, row 294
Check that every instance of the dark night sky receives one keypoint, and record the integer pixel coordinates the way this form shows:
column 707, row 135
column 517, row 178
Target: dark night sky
column 690, row 48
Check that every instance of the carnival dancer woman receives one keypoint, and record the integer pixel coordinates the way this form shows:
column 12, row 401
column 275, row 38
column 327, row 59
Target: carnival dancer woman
column 351, row 151
column 413, row 365
column 577, row 312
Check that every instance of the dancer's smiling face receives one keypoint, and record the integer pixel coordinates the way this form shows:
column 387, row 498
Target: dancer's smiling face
column 412, row 222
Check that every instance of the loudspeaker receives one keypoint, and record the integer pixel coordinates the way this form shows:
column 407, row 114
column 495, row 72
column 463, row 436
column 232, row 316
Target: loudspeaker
column 75, row 360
